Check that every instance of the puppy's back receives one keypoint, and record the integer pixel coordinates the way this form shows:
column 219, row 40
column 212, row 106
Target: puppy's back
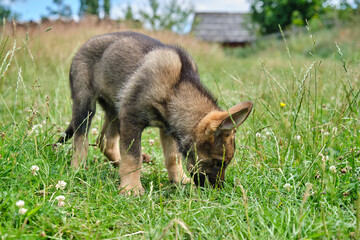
column 105, row 62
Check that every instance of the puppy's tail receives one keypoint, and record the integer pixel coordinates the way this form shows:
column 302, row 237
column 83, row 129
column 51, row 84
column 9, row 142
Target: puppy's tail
column 69, row 132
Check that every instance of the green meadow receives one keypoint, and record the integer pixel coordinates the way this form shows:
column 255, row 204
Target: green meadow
column 296, row 170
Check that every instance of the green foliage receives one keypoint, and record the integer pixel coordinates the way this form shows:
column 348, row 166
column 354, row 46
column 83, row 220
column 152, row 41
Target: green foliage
column 269, row 14
column 90, row 7
column 324, row 46
column 153, row 17
column 130, row 19
column 349, row 10
column 6, row 12
column 107, row 7
column 93, row 7
column 173, row 15
column 129, row 16
column 62, row 10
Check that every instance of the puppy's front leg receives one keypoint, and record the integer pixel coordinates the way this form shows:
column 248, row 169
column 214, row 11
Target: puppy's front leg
column 130, row 150
column 173, row 159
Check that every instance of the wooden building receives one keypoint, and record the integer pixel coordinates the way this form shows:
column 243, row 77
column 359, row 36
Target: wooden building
column 228, row 29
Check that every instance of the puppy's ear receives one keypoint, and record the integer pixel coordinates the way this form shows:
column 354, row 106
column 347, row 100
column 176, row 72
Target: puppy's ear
column 222, row 120
column 237, row 115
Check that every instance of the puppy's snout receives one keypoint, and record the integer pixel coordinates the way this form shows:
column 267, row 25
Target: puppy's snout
column 216, row 179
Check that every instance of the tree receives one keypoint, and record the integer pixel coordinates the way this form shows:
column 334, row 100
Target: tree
column 89, row 7
column 94, row 7
column 6, row 12
column 129, row 16
column 349, row 9
column 106, row 8
column 269, row 14
column 172, row 16
column 151, row 17
column 62, row 10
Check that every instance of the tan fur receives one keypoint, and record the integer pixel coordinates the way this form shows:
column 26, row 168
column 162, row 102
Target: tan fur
column 110, row 148
column 172, row 159
column 190, row 111
column 109, row 138
column 141, row 82
column 130, row 176
column 204, row 131
column 81, row 149
column 164, row 73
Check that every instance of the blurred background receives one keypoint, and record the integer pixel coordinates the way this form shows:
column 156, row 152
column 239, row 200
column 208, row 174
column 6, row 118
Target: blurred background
column 181, row 16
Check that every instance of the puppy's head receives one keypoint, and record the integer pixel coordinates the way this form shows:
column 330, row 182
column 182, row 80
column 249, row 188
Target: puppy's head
column 215, row 144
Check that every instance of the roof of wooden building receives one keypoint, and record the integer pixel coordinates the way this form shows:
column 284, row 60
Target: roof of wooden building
column 222, row 27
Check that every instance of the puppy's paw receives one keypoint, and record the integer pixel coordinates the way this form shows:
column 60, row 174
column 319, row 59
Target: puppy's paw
column 186, row 180
column 181, row 180
column 133, row 191
column 75, row 163
column 146, row 158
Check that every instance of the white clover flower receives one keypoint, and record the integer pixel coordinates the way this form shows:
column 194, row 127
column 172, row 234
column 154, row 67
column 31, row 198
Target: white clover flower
column 58, row 144
column 33, row 132
column 60, row 198
column 258, row 135
column 298, row 137
column 94, row 131
column 61, row 184
column 34, row 169
column 334, row 130
column 63, row 134
column 20, row 203
column 36, row 126
column 287, row 186
column 22, row 211
column 151, row 142
column 332, row 168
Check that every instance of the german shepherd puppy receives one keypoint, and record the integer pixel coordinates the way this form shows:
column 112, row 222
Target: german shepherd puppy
column 141, row 82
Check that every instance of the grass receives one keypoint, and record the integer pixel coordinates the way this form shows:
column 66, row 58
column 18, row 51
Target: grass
column 280, row 185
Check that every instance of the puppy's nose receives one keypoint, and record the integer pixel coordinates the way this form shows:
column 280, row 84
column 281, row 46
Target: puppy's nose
column 199, row 179
column 216, row 182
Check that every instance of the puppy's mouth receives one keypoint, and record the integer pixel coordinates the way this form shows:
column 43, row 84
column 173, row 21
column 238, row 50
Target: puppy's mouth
column 200, row 180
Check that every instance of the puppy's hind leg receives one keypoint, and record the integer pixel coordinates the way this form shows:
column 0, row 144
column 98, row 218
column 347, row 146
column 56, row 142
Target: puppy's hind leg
column 83, row 112
column 108, row 140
